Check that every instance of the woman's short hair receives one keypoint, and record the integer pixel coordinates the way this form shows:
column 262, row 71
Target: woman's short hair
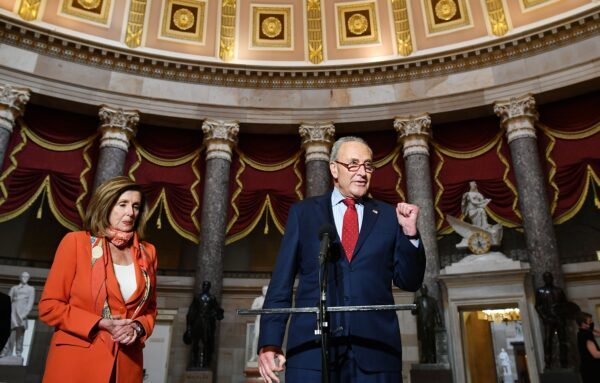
column 97, row 215
column 582, row 317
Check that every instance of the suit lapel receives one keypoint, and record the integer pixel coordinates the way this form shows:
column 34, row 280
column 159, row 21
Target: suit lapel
column 370, row 215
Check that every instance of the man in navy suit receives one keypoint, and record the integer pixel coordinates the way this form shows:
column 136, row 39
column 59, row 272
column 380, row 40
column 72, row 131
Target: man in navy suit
column 365, row 346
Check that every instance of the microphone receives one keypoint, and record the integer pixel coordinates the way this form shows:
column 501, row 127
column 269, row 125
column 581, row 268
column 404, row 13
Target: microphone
column 326, row 235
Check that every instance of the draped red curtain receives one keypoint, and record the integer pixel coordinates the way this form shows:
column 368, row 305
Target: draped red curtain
column 50, row 156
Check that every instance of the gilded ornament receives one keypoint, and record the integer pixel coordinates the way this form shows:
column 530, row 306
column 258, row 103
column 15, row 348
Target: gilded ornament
column 271, row 27
column 445, row 9
column 89, row 4
column 314, row 5
column 29, row 9
column 357, row 24
column 183, row 18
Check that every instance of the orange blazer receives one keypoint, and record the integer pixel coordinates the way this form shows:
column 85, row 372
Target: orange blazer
column 76, row 354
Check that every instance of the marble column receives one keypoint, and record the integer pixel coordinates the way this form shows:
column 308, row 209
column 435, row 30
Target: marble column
column 117, row 128
column 12, row 106
column 317, row 139
column 414, row 133
column 517, row 118
column 220, row 137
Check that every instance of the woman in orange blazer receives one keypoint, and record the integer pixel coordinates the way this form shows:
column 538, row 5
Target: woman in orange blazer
column 100, row 294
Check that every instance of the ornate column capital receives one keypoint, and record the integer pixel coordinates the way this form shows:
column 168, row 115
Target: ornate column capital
column 414, row 132
column 117, row 126
column 12, row 105
column 518, row 116
column 317, row 138
column 220, row 137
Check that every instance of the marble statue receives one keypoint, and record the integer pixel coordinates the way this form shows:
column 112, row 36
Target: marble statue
column 22, row 297
column 551, row 305
column 477, row 234
column 428, row 319
column 504, row 360
column 202, row 317
column 256, row 305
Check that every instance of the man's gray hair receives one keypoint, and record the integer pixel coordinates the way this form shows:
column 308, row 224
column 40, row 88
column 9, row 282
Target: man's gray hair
column 337, row 144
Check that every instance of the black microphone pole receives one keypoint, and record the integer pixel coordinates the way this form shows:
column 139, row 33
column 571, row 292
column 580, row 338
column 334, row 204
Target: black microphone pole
column 326, row 234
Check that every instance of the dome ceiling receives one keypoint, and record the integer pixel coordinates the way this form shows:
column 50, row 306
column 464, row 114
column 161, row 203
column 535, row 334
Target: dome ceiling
column 309, row 34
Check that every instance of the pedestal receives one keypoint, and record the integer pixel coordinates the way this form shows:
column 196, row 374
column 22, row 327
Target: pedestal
column 560, row 375
column 199, row 376
column 433, row 372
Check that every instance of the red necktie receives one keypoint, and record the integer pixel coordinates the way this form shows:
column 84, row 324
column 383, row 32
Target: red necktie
column 350, row 228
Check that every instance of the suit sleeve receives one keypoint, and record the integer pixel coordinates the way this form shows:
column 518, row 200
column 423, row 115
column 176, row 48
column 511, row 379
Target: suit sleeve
column 279, row 293
column 409, row 263
column 54, row 307
column 148, row 317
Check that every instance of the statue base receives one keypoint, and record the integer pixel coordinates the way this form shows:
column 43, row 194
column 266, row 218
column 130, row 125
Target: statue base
column 198, row 376
column 11, row 361
column 430, row 372
column 560, row 375
column 252, row 374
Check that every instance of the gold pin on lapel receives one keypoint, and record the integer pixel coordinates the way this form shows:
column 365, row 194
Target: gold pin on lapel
column 375, row 211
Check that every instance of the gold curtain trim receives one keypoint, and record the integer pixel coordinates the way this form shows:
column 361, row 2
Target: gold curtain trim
column 194, row 194
column 438, row 196
column 399, row 180
column 54, row 146
column 263, row 210
column 591, row 176
column 164, row 162
column 298, row 188
column 268, row 167
column 471, row 153
column 135, row 165
column 12, row 167
column 391, row 156
column 578, row 135
column 552, row 172
column 162, row 198
column 82, row 180
column 59, row 217
column 236, row 193
column 509, row 184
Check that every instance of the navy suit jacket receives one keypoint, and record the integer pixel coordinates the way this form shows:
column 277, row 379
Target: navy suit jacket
column 383, row 255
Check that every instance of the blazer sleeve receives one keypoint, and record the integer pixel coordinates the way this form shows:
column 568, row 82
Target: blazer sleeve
column 55, row 306
column 409, row 263
column 279, row 293
column 148, row 317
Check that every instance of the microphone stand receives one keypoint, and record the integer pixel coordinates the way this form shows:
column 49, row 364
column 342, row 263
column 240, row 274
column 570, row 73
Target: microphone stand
column 322, row 315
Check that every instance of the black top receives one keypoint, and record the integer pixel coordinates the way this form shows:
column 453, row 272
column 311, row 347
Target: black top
column 590, row 366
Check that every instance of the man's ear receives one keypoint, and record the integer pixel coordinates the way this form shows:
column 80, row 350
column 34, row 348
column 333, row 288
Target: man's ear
column 333, row 169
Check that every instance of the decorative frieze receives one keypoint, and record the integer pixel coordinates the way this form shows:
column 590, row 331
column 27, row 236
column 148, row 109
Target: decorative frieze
column 414, row 132
column 317, row 138
column 220, row 137
column 12, row 105
column 518, row 116
column 117, row 127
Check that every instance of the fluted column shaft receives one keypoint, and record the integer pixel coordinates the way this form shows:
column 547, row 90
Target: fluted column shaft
column 12, row 106
column 317, row 139
column 518, row 116
column 117, row 128
column 219, row 137
column 415, row 133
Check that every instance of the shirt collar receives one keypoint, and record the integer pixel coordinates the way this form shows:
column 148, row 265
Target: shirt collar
column 337, row 198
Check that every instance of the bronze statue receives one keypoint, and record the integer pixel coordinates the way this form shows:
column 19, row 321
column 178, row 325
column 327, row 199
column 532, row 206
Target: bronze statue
column 202, row 318
column 551, row 305
column 428, row 319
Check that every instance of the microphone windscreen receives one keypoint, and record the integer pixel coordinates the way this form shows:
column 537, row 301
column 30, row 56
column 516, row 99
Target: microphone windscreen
column 327, row 228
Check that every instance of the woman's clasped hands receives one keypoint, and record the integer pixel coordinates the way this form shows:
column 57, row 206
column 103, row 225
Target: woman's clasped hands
column 122, row 330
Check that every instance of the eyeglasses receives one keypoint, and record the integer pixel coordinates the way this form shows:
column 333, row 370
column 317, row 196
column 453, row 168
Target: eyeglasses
column 353, row 167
